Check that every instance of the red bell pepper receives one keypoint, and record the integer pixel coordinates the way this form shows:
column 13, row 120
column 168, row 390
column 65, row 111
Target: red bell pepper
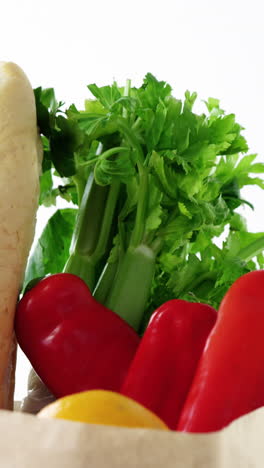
column 73, row 342
column 164, row 365
column 229, row 381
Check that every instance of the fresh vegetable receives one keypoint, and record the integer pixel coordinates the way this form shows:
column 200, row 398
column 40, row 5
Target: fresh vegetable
column 154, row 184
column 162, row 370
column 73, row 342
column 103, row 407
column 229, row 381
column 20, row 154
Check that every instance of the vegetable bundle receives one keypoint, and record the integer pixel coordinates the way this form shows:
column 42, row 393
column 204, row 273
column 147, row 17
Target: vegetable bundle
column 151, row 185
column 194, row 370
column 155, row 184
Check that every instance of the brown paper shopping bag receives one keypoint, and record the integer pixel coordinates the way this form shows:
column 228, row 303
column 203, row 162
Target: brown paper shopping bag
column 29, row 442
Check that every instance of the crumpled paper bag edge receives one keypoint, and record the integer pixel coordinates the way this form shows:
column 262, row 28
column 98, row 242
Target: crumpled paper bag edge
column 28, row 441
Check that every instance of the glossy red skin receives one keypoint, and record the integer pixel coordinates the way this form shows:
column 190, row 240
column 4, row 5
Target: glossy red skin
column 73, row 342
column 164, row 365
column 230, row 378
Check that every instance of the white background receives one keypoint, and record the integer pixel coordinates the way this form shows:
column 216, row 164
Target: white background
column 212, row 47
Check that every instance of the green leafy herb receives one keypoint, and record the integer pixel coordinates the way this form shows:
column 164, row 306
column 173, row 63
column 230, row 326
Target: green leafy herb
column 155, row 184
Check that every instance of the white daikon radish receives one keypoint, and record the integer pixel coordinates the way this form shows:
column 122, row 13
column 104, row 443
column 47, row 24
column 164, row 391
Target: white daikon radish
column 20, row 162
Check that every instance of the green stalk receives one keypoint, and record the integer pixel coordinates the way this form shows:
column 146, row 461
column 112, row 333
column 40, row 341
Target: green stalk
column 92, row 230
column 80, row 183
column 131, row 139
column 107, row 220
column 86, row 232
column 80, row 178
column 107, row 277
column 130, row 291
column 249, row 252
column 124, row 285
column 139, row 229
column 106, row 154
column 105, row 282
